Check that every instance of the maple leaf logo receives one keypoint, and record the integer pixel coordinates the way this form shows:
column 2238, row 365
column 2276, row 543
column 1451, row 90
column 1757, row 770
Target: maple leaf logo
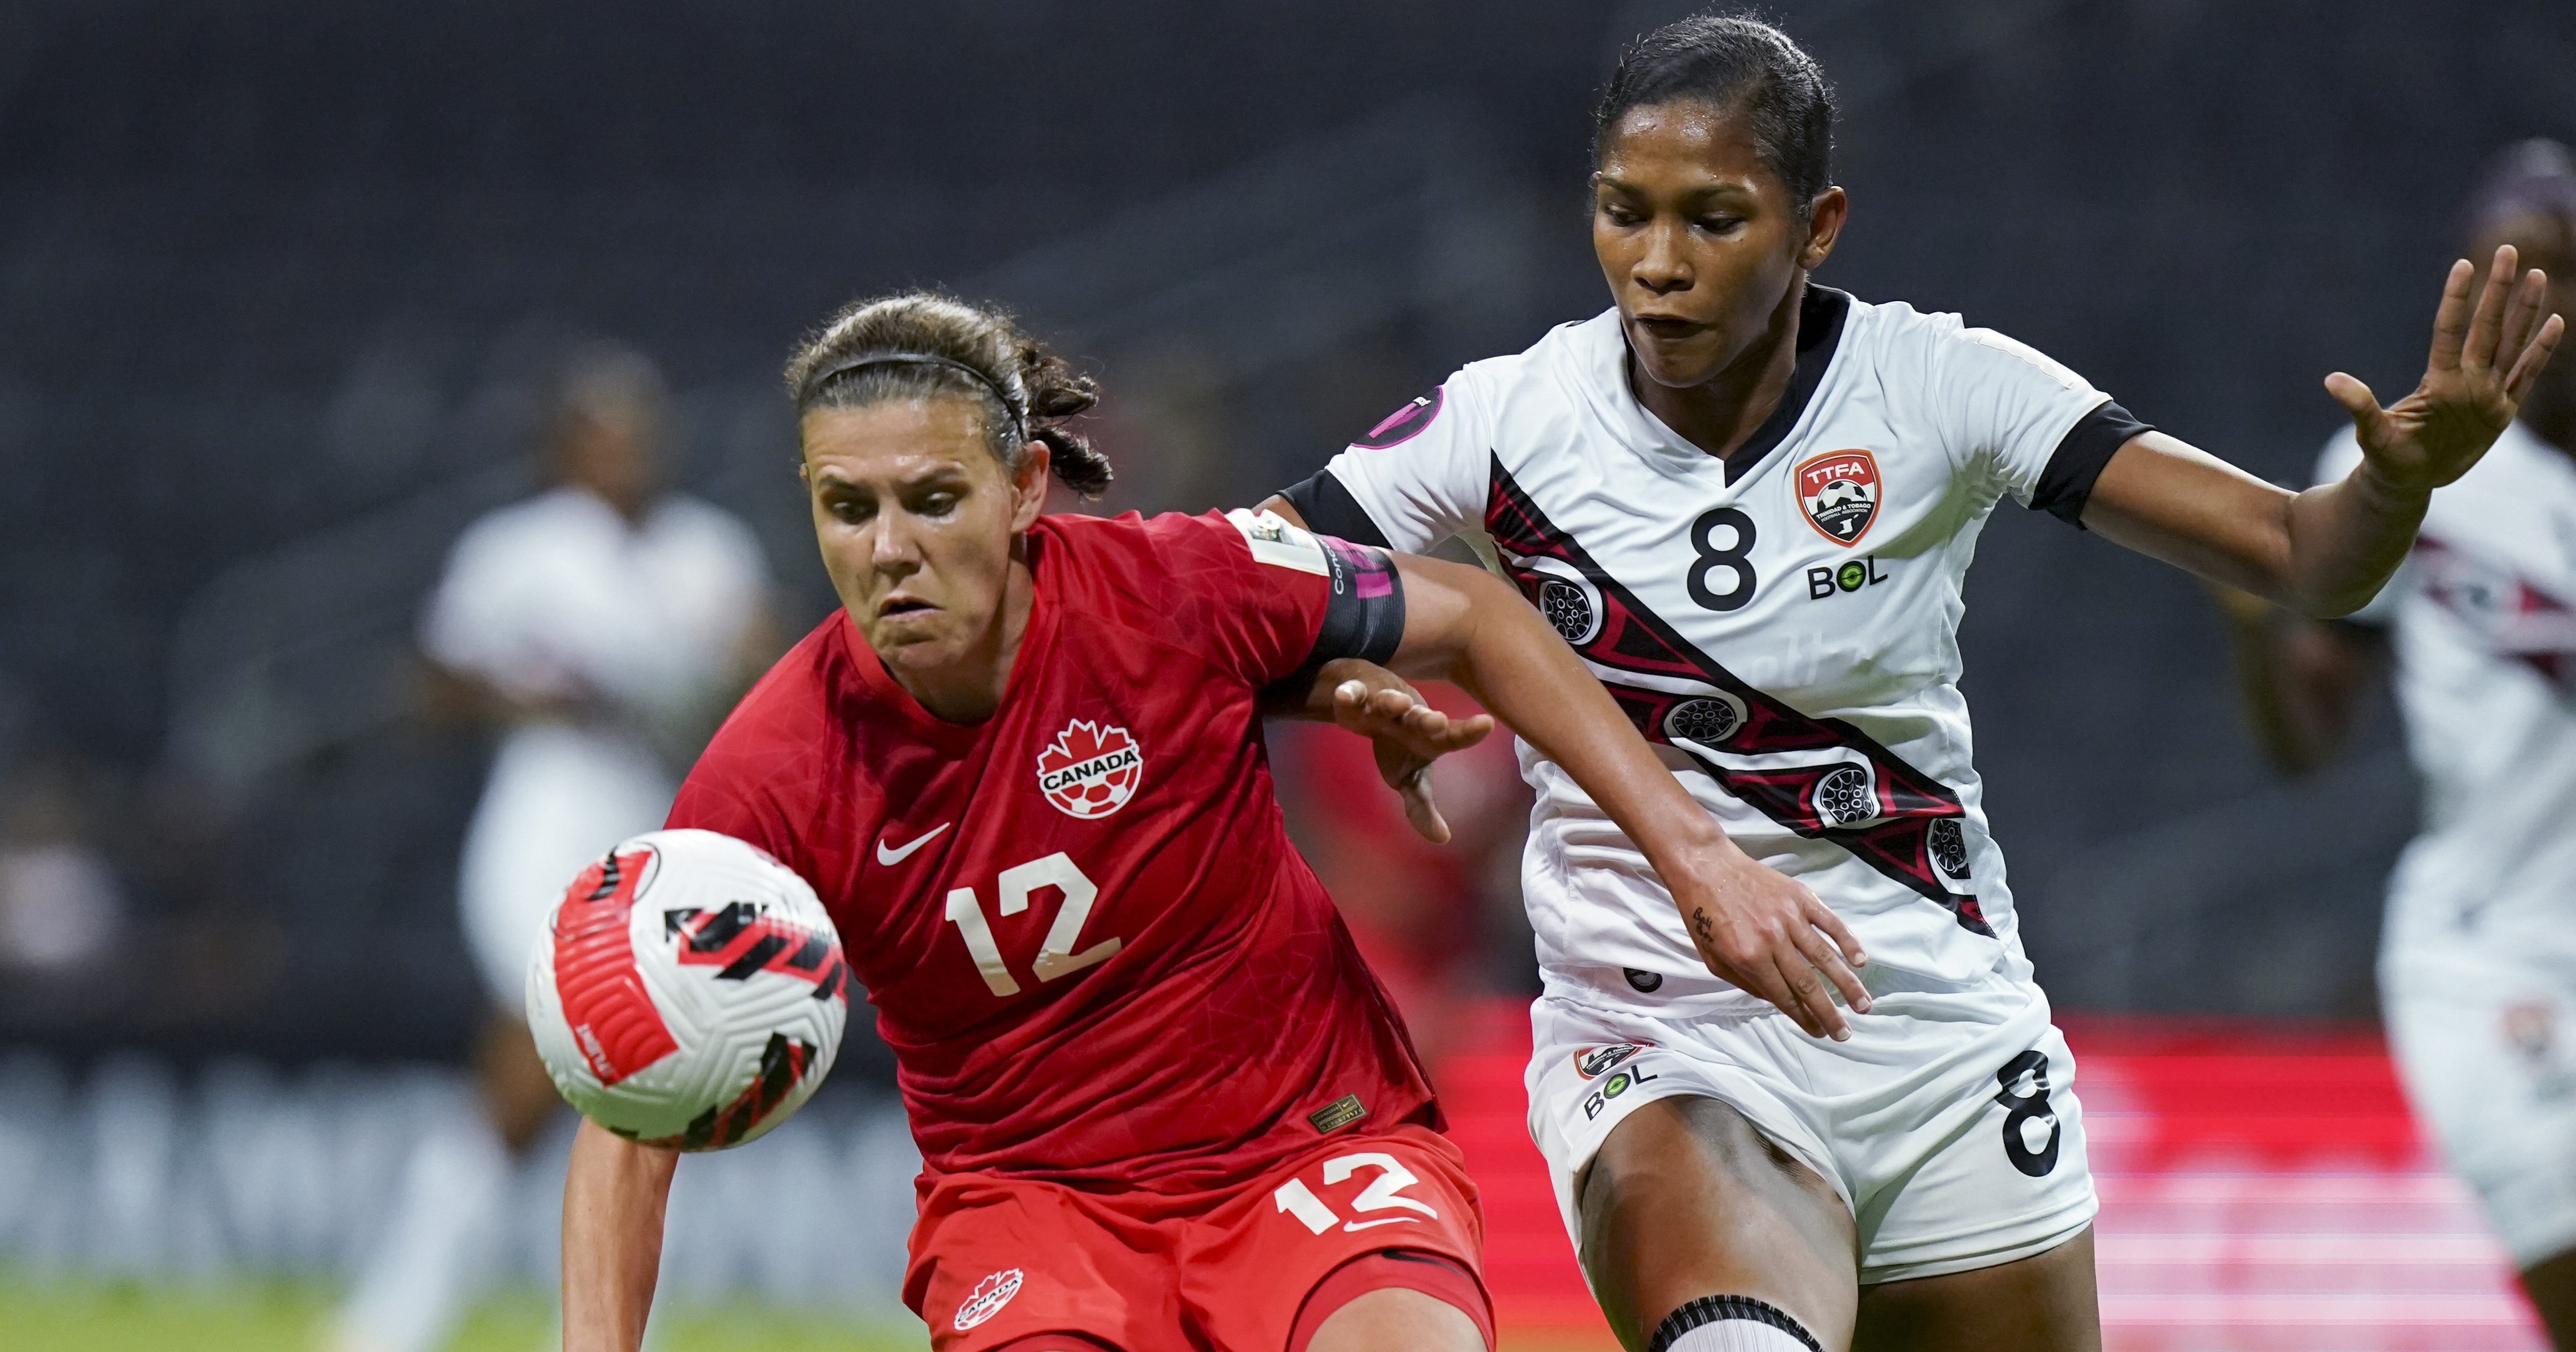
column 1090, row 770
column 987, row 1299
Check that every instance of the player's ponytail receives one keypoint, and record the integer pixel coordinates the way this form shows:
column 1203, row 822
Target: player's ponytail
column 918, row 343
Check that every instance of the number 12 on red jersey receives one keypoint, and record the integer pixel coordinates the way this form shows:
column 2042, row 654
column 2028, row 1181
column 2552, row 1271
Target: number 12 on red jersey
column 1056, row 956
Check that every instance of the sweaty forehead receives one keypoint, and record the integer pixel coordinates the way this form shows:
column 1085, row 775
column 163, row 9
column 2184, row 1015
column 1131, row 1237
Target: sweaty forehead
column 906, row 436
column 1685, row 139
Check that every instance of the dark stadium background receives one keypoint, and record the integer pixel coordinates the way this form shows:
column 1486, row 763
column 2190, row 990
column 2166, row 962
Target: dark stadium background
column 281, row 282
column 276, row 280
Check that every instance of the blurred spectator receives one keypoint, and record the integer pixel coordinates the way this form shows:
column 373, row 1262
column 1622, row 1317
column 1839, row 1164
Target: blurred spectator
column 606, row 624
column 60, row 903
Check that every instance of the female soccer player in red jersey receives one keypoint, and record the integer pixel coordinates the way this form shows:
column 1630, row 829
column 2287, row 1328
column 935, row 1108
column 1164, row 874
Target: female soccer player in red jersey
column 1161, row 1103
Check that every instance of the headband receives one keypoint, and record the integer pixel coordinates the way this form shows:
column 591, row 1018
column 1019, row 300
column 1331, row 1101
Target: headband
column 865, row 360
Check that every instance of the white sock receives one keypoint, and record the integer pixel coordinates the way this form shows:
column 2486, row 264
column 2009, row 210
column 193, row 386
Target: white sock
column 437, row 1253
column 1731, row 1324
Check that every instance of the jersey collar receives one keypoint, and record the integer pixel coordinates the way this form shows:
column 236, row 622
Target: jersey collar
column 1821, row 313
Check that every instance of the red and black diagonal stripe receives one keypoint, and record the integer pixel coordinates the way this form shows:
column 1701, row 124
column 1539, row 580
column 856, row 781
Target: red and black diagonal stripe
column 1631, row 637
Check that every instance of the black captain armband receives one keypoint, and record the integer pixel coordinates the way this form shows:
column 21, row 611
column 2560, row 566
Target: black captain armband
column 1363, row 597
column 2067, row 484
column 1364, row 613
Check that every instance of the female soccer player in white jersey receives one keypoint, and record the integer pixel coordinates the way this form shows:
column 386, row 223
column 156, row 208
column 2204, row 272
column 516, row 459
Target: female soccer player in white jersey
column 1748, row 502
column 2478, row 957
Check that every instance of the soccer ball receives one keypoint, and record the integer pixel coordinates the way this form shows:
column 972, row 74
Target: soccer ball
column 688, row 991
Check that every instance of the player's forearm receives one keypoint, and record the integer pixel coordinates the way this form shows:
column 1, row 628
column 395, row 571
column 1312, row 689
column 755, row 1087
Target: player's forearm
column 2346, row 541
column 2324, row 552
column 1479, row 634
column 614, row 1193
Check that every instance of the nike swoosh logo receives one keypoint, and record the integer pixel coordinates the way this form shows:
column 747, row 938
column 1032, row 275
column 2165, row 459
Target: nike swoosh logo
column 1391, row 1220
column 886, row 856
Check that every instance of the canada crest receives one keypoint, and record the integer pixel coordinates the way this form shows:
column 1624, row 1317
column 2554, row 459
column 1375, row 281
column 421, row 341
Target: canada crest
column 1090, row 770
column 987, row 1299
column 1839, row 493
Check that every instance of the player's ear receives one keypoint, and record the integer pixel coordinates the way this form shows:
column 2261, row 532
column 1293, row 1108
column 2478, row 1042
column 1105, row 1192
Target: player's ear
column 1029, row 486
column 1825, row 217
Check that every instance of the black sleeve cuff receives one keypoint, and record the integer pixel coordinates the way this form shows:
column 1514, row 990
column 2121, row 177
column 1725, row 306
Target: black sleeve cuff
column 1329, row 509
column 2078, row 460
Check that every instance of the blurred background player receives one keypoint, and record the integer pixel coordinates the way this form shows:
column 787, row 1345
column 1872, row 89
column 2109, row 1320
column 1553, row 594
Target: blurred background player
column 603, row 626
column 2478, row 953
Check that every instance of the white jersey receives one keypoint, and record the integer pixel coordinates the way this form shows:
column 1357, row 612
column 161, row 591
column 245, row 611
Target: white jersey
column 559, row 597
column 2483, row 622
column 1782, row 623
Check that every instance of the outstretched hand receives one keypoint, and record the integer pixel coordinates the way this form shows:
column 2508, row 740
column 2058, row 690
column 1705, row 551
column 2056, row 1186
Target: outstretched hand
column 1407, row 735
column 2484, row 361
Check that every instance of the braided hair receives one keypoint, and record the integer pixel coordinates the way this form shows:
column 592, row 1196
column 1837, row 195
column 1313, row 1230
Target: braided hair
column 917, row 344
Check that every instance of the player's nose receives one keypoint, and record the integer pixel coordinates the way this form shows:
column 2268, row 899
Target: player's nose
column 891, row 548
column 1663, row 267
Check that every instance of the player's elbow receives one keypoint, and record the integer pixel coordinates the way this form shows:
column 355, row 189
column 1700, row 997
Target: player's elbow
column 2335, row 602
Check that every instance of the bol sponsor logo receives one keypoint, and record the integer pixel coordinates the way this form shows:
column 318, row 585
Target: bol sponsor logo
column 1090, row 771
column 987, row 1299
column 1620, row 1082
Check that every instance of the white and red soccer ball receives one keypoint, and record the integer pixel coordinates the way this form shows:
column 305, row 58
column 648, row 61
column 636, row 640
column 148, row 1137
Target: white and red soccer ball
column 689, row 991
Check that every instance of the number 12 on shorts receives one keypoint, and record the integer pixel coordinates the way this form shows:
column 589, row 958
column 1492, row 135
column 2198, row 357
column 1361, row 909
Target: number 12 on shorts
column 1300, row 1201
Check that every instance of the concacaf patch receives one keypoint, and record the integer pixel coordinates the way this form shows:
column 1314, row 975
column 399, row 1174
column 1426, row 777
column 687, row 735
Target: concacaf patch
column 1839, row 493
column 1403, row 425
column 1090, row 770
column 987, row 1299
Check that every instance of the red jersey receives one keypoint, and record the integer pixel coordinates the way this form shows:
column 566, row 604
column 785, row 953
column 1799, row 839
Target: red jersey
column 1089, row 942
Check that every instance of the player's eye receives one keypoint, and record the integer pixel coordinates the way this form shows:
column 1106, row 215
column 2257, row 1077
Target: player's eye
column 1618, row 215
column 936, row 504
column 850, row 511
column 1720, row 225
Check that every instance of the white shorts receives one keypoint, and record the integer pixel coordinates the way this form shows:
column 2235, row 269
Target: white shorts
column 558, row 799
column 1947, row 1123
column 2482, row 1042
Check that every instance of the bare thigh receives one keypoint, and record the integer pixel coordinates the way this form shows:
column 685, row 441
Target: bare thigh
column 1397, row 1320
column 1686, row 1199
column 2043, row 1303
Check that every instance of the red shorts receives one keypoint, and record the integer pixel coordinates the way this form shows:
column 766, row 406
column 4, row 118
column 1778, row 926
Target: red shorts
column 995, row 1260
